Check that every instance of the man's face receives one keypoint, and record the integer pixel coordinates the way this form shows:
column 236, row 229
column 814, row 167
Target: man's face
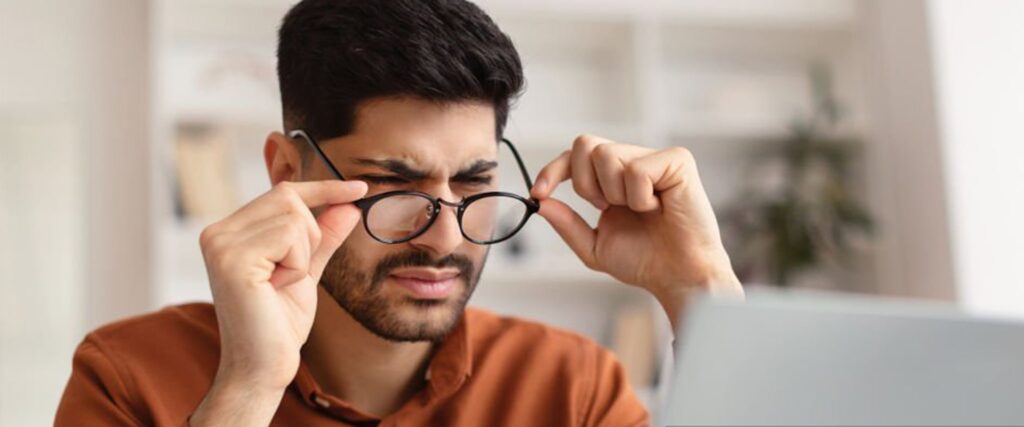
column 417, row 290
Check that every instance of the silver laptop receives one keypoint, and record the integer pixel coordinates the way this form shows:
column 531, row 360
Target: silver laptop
column 826, row 360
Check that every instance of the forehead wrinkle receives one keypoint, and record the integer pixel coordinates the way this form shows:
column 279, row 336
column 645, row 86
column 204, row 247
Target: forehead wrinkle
column 411, row 167
column 477, row 167
column 397, row 166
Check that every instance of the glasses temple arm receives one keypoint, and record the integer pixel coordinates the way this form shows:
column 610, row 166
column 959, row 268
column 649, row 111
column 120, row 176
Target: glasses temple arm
column 298, row 133
column 519, row 160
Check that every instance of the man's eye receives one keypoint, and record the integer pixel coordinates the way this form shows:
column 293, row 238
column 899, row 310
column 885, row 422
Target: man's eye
column 476, row 180
column 384, row 180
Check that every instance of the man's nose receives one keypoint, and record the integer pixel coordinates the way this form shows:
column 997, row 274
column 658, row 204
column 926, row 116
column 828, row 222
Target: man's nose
column 444, row 235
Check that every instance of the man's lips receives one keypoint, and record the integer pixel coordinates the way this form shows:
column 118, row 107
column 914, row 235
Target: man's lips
column 427, row 283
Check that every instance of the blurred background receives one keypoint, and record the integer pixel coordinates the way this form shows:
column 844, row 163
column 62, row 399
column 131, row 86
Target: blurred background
column 860, row 146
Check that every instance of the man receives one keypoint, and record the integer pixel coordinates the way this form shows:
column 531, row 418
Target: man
column 339, row 295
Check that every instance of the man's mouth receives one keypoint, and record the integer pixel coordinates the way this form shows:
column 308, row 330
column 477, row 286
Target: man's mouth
column 426, row 283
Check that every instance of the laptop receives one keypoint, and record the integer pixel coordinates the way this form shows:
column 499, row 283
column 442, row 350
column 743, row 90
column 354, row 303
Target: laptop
column 783, row 359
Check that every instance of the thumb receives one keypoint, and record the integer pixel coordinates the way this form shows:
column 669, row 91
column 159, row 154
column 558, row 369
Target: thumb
column 336, row 223
column 572, row 228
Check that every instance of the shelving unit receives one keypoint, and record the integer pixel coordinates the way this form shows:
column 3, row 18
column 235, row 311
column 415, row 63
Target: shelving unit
column 713, row 76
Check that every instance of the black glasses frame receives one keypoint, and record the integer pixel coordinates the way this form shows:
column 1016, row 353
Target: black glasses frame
column 364, row 204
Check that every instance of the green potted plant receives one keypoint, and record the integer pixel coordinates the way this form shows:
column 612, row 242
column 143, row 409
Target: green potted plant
column 810, row 217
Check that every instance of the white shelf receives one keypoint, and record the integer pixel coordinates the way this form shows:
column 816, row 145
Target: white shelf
column 220, row 83
column 733, row 13
column 719, row 130
column 575, row 71
column 198, row 22
column 555, row 137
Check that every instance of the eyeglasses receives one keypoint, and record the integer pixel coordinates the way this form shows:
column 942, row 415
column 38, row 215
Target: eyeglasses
column 400, row 216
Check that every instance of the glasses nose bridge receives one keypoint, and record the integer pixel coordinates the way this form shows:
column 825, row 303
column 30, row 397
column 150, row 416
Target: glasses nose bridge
column 437, row 215
column 457, row 208
column 453, row 205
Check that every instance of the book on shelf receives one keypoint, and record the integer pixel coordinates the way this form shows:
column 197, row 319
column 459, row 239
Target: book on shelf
column 634, row 343
column 206, row 187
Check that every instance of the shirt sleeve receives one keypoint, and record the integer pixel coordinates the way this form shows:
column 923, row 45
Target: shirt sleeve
column 612, row 401
column 96, row 394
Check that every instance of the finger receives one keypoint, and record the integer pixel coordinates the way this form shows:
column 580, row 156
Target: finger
column 551, row 175
column 297, row 196
column 336, row 224
column 300, row 217
column 293, row 268
column 649, row 176
column 330, row 192
column 572, row 228
column 574, row 164
column 584, row 178
column 608, row 167
column 285, row 247
column 667, row 168
column 640, row 195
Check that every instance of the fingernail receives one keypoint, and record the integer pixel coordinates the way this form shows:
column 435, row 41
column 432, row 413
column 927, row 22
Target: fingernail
column 540, row 185
column 357, row 185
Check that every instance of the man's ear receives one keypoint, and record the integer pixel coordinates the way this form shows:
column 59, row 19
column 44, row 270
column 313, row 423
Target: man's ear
column 284, row 162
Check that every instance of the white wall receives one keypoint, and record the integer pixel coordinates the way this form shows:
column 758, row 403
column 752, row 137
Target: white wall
column 85, row 64
column 74, row 240
column 904, row 156
column 116, row 115
column 41, row 205
column 979, row 65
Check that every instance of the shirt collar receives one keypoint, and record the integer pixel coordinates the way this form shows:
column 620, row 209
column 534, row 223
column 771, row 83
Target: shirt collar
column 452, row 363
column 448, row 370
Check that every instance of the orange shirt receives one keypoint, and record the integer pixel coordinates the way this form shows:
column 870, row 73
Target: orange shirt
column 490, row 371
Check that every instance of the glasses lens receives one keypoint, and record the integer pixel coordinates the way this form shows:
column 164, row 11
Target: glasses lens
column 399, row 217
column 493, row 218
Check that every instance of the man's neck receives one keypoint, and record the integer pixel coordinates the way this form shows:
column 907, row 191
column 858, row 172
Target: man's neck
column 375, row 375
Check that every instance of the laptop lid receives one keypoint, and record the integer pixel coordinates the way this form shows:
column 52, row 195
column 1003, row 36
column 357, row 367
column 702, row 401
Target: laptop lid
column 826, row 360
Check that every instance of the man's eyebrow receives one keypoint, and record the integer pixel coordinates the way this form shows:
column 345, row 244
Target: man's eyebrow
column 396, row 167
column 410, row 173
column 478, row 167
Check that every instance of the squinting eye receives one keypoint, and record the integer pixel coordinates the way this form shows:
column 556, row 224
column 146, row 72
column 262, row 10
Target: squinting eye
column 476, row 180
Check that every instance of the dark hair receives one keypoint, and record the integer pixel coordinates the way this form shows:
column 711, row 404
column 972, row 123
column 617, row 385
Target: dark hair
column 333, row 55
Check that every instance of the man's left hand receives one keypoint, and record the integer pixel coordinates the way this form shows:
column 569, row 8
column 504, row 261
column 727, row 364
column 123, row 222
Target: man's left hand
column 657, row 230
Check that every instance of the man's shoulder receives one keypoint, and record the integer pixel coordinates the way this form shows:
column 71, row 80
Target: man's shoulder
column 188, row 330
column 190, row 319
column 152, row 366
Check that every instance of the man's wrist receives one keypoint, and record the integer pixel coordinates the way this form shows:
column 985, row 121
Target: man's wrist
column 674, row 297
column 233, row 401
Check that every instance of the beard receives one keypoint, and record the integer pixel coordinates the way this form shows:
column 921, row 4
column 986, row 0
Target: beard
column 398, row 318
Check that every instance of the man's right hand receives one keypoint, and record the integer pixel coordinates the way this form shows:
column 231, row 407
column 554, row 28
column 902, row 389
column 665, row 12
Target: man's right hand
column 264, row 262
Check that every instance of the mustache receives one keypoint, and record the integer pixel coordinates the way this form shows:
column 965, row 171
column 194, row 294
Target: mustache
column 415, row 258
